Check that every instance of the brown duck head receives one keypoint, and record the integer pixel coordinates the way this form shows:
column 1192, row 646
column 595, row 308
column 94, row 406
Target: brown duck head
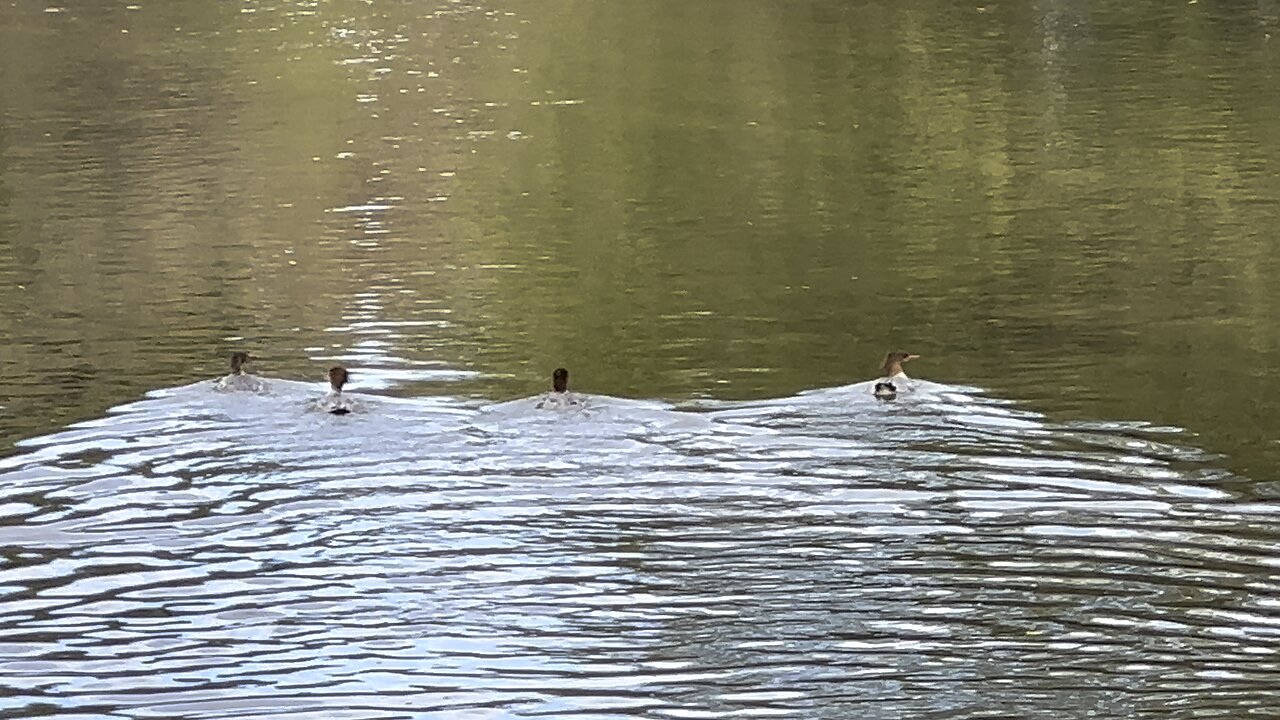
column 337, row 378
column 893, row 362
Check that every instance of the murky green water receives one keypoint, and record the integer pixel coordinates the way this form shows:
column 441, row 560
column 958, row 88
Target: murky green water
column 1072, row 206
column 1069, row 204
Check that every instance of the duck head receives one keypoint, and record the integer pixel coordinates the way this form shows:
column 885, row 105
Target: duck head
column 893, row 362
column 337, row 378
column 238, row 360
column 560, row 380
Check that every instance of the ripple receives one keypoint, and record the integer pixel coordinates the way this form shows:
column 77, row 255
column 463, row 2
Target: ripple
column 202, row 554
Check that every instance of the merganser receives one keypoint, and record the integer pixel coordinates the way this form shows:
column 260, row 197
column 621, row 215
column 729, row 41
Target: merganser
column 894, row 379
column 334, row 403
column 239, row 380
column 559, row 398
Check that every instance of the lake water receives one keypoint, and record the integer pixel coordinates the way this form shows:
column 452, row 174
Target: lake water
column 719, row 216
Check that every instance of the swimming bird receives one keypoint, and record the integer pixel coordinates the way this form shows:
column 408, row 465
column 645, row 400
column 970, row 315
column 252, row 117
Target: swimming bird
column 239, row 380
column 335, row 403
column 894, row 379
column 559, row 398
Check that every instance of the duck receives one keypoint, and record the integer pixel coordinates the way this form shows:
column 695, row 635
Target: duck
column 894, row 379
column 559, row 398
column 239, row 380
column 335, row 403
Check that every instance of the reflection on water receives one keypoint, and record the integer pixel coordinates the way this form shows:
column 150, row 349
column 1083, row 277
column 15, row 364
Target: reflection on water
column 204, row 554
column 1071, row 204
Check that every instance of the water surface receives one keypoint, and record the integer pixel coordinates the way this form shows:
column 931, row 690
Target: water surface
column 1071, row 204
column 718, row 215
column 205, row 555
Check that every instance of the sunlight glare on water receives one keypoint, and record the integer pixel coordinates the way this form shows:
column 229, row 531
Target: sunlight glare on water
column 199, row 554
column 717, row 213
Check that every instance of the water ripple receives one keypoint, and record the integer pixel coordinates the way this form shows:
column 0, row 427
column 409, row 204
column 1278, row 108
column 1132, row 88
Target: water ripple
column 197, row 554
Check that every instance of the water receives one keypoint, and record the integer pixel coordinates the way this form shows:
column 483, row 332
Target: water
column 718, row 215
column 1068, row 205
column 205, row 555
